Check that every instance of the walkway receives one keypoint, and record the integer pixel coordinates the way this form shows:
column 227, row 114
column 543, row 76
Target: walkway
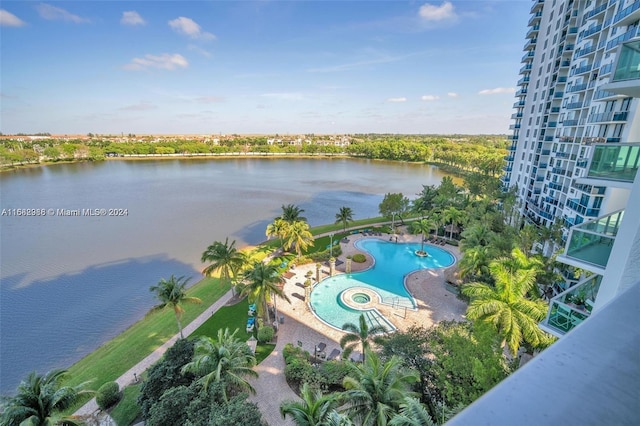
column 91, row 408
column 302, row 327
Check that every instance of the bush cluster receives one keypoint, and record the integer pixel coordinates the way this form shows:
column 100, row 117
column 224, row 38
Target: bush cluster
column 265, row 334
column 299, row 370
column 108, row 395
column 359, row 258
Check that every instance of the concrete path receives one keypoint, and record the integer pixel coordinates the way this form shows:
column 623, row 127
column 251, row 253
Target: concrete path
column 302, row 327
column 90, row 409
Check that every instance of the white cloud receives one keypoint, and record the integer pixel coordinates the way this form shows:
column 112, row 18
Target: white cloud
column 402, row 99
column 429, row 12
column 430, row 97
column 452, row 94
column 496, row 91
column 165, row 61
column 132, row 18
column 8, row 19
column 190, row 28
column 53, row 13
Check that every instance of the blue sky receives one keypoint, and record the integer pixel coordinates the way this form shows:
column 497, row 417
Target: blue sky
column 260, row 67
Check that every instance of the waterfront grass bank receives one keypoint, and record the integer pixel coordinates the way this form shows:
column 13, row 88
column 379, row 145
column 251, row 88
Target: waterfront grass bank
column 124, row 351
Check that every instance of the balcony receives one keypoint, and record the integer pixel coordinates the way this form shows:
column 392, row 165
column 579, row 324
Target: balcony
column 596, row 11
column 584, row 51
column 528, row 56
column 526, row 68
column 608, row 116
column 615, row 162
column 621, row 39
column 571, row 307
column 533, row 31
column 589, row 244
column 575, row 205
column 519, row 104
column 567, row 123
column 582, row 69
column 627, row 15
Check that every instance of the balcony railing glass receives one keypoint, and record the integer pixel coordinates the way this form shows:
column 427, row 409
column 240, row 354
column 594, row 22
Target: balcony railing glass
column 572, row 306
column 592, row 241
column 617, row 162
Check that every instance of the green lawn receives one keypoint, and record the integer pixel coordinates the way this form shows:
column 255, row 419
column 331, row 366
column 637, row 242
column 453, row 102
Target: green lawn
column 127, row 410
column 117, row 356
column 232, row 317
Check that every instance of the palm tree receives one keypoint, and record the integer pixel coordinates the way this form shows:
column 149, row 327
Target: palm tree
column 505, row 306
column 291, row 213
column 412, row 413
column 477, row 235
column 225, row 259
column 261, row 282
column 40, row 401
column 278, row 229
column 375, row 390
column 226, row 360
column 358, row 336
column 475, row 261
column 454, row 216
column 314, row 409
column 172, row 293
column 345, row 215
column 423, row 227
column 298, row 236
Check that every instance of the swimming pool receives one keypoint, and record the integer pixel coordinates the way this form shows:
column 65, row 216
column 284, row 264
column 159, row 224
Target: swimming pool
column 340, row 299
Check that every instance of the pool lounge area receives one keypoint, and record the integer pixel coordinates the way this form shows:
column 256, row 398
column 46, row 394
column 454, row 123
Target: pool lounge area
column 380, row 291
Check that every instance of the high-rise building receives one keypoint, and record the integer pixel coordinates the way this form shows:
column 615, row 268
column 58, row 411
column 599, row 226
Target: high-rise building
column 574, row 152
column 574, row 158
column 562, row 109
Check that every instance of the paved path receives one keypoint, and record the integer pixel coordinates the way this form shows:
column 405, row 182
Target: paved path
column 301, row 326
column 91, row 408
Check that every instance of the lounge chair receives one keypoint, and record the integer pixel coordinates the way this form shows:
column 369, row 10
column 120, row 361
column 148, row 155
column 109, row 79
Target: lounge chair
column 250, row 328
column 443, row 242
column 335, row 354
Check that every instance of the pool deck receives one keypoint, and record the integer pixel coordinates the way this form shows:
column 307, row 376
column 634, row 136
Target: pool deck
column 301, row 326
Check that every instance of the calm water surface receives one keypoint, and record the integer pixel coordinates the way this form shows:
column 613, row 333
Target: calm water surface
column 68, row 284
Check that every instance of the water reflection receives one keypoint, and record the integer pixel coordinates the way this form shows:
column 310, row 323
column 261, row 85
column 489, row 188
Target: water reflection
column 70, row 283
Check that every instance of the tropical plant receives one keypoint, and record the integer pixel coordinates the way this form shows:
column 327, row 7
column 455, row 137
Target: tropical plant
column 424, row 201
column 412, row 413
column 226, row 360
column 108, row 395
column 475, row 261
column 375, row 390
column 291, row 213
column 298, row 236
column 225, row 259
column 505, row 306
column 313, row 410
column 423, row 227
column 172, row 293
column 344, row 216
column 40, row 400
column 454, row 216
column 358, row 336
column 278, row 229
column 261, row 282
column 393, row 205
column 478, row 234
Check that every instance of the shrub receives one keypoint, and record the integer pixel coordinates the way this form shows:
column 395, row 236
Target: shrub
column 333, row 372
column 265, row 334
column 359, row 258
column 108, row 395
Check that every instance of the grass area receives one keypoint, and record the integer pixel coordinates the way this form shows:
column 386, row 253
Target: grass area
column 117, row 356
column 232, row 317
column 127, row 410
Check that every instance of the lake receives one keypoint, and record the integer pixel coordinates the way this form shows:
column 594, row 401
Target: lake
column 70, row 283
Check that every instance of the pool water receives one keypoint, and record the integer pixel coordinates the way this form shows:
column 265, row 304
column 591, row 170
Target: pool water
column 361, row 298
column 393, row 261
